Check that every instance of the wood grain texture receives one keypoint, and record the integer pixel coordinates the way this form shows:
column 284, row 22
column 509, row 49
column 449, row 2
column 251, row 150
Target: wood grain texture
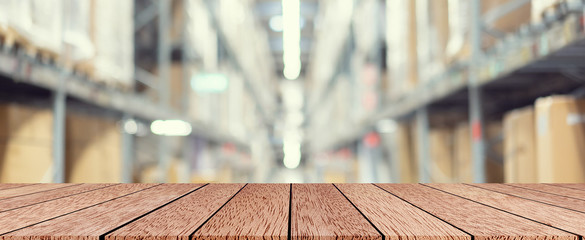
column 578, row 186
column 4, row 186
column 397, row 219
column 548, row 198
column 258, row 211
column 31, row 199
column 92, row 222
column 179, row 219
column 26, row 216
column 561, row 218
column 562, row 191
column 33, row 188
column 481, row 221
column 320, row 211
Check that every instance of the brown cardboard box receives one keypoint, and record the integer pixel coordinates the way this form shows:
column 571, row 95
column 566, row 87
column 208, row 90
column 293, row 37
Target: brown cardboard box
column 408, row 162
column 93, row 152
column 462, row 156
column 519, row 147
column 25, row 143
column 441, row 141
column 560, row 139
column 494, row 167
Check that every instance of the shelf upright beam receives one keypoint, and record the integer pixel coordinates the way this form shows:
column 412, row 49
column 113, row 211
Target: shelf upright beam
column 475, row 105
column 185, row 175
column 59, row 106
column 423, row 144
column 163, row 84
column 127, row 150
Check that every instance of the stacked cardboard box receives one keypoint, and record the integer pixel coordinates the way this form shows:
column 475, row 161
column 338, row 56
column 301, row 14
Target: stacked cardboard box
column 25, row 143
column 519, row 144
column 462, row 155
column 407, row 157
column 442, row 155
column 560, row 137
column 93, row 152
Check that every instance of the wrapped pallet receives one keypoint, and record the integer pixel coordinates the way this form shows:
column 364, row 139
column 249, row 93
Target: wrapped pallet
column 442, row 164
column 519, row 147
column 25, row 143
column 113, row 27
column 402, row 47
column 79, row 47
column 432, row 26
column 93, row 152
column 560, row 137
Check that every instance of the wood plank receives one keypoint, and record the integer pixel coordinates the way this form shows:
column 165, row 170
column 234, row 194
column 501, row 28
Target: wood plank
column 548, row 198
column 395, row 218
column 258, row 211
column 562, row 191
column 91, row 223
column 4, row 186
column 39, row 197
column 481, row 221
column 26, row 216
column 33, row 188
column 320, row 211
column 561, row 218
column 181, row 218
column 578, row 186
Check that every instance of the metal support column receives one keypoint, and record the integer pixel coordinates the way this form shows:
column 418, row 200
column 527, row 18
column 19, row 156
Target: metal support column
column 163, row 84
column 185, row 175
column 423, row 145
column 475, row 106
column 127, row 150
column 59, row 99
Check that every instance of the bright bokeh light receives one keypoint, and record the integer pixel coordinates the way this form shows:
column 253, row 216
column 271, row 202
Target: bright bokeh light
column 292, row 154
column 171, row 127
column 131, row 127
column 291, row 38
column 275, row 23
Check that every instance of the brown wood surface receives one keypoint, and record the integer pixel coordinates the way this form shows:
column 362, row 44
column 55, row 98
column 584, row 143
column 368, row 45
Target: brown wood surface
column 320, row 211
column 179, row 219
column 4, row 186
column 562, row 191
column 22, row 217
column 481, row 221
column 91, row 223
column 27, row 200
column 33, row 188
column 568, row 220
column 543, row 197
column 258, row 211
column 578, row 186
column 397, row 219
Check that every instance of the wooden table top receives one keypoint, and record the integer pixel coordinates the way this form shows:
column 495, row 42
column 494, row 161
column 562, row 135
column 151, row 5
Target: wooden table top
column 292, row 211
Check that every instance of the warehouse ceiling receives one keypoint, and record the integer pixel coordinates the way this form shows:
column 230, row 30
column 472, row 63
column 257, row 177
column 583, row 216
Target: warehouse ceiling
column 267, row 10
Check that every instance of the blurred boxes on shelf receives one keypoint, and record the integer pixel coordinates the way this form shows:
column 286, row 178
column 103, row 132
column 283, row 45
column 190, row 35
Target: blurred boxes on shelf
column 407, row 153
column 442, row 155
column 462, row 156
column 520, row 164
column 26, row 137
column 93, row 149
column 540, row 7
column 560, row 139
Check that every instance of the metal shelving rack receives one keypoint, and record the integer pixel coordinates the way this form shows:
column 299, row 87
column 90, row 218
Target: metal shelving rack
column 555, row 45
column 64, row 84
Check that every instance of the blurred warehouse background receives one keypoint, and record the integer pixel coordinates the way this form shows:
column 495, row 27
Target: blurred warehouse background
column 292, row 91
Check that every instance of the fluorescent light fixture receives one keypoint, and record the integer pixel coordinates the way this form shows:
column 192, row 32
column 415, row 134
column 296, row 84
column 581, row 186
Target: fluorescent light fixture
column 170, row 128
column 275, row 23
column 209, row 82
column 292, row 154
column 131, row 127
column 386, row 126
column 291, row 38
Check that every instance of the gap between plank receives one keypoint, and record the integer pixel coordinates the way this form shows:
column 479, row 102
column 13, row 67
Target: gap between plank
column 471, row 235
column 525, row 198
column 363, row 215
column 578, row 236
column 78, row 210
column 207, row 220
column 72, row 185
column 103, row 236
column 536, row 190
column 61, row 197
column 289, row 237
column 554, row 185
